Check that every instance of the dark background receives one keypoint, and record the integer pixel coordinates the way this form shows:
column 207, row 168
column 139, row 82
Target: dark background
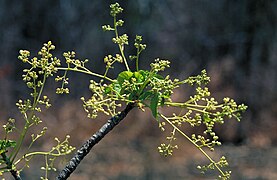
column 234, row 40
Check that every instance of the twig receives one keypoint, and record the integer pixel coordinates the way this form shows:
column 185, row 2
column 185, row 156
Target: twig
column 94, row 139
column 15, row 174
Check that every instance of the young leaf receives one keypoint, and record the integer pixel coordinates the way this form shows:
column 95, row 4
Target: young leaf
column 206, row 117
column 125, row 75
column 139, row 77
column 158, row 76
column 154, row 104
column 108, row 89
column 7, row 144
column 117, row 87
column 144, row 73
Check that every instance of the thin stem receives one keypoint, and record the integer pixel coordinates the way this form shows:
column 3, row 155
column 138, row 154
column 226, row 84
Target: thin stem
column 108, row 67
column 120, row 46
column 64, row 76
column 191, row 106
column 181, row 82
column 137, row 59
column 196, row 145
column 106, row 72
column 151, row 74
column 27, row 124
column 183, row 105
column 46, row 166
column 19, row 142
column 36, row 153
column 200, row 110
column 85, row 72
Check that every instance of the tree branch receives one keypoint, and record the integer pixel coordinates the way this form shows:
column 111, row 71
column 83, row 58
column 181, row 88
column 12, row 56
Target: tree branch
column 14, row 173
column 94, row 139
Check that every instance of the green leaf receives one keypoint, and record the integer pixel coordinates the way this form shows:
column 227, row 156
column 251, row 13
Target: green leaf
column 117, row 87
column 145, row 95
column 154, row 104
column 206, row 117
column 132, row 96
column 158, row 76
column 7, row 143
column 11, row 143
column 139, row 77
column 108, row 89
column 2, row 151
column 125, row 75
column 144, row 73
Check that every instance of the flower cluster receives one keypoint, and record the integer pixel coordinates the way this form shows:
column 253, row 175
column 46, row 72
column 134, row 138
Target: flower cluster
column 164, row 86
column 143, row 88
column 109, row 60
column 40, row 69
column 45, row 65
column 216, row 165
column 99, row 101
column 159, row 65
column 121, row 40
column 9, row 126
column 115, row 9
column 167, row 149
column 201, row 79
column 61, row 149
column 201, row 109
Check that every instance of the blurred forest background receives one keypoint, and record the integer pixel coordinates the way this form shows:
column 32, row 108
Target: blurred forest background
column 236, row 41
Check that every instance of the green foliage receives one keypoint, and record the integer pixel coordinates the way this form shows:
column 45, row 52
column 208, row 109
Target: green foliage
column 145, row 88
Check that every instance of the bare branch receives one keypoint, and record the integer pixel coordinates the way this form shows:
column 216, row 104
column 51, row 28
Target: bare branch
column 93, row 140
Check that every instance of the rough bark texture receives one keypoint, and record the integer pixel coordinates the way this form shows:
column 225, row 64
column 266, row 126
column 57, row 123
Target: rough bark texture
column 94, row 139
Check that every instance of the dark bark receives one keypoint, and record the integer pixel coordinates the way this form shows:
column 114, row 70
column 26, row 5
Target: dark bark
column 94, row 139
column 15, row 175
